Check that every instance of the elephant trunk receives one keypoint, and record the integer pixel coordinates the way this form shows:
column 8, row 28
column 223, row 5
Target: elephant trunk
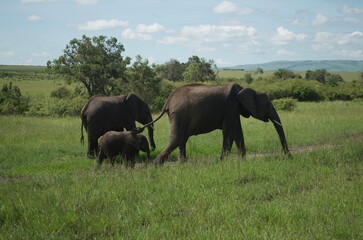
column 274, row 117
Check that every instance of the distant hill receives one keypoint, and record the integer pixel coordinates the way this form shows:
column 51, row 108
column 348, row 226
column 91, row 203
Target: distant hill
column 329, row 65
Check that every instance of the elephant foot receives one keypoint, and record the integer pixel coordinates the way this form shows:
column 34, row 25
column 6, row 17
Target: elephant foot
column 158, row 162
column 90, row 156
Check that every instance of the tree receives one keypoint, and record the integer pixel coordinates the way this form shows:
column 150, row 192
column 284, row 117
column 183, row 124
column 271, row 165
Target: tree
column 333, row 79
column 171, row 70
column 11, row 100
column 248, row 78
column 320, row 74
column 95, row 62
column 258, row 70
column 143, row 80
column 199, row 70
column 285, row 74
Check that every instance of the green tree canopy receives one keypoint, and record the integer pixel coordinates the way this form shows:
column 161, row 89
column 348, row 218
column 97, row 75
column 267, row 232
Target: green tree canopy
column 323, row 76
column 95, row 62
column 171, row 70
column 285, row 74
column 199, row 70
column 143, row 80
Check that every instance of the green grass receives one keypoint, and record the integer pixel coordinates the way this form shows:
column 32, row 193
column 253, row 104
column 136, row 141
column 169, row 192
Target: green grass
column 22, row 68
column 50, row 190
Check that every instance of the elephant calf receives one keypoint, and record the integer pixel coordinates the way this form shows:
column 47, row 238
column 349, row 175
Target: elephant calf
column 127, row 144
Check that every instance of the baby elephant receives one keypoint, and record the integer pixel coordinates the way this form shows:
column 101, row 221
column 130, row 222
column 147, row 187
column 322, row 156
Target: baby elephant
column 127, row 144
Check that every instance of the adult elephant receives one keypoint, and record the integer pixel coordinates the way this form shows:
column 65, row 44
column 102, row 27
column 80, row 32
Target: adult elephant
column 196, row 108
column 102, row 114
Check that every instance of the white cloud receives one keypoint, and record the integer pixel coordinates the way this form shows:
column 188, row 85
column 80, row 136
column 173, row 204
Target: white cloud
column 326, row 38
column 319, row 20
column 171, row 40
column 86, row 2
column 220, row 33
column 132, row 34
column 351, row 10
column 283, row 36
column 250, row 47
column 142, row 31
column 358, row 54
column 153, row 28
column 229, row 7
column 225, row 7
column 34, row 18
column 103, row 24
column 348, row 45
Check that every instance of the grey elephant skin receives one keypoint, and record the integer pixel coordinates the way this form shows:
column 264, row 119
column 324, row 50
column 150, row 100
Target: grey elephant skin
column 196, row 109
column 102, row 114
column 126, row 144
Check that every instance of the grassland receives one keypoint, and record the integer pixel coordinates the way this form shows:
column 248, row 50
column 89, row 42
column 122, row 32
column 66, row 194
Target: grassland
column 50, row 190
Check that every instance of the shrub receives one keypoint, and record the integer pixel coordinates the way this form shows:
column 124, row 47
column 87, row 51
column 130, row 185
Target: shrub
column 294, row 88
column 285, row 104
column 61, row 92
column 56, row 107
column 11, row 100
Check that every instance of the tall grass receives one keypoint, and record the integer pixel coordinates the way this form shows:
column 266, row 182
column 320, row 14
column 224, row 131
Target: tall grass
column 50, row 190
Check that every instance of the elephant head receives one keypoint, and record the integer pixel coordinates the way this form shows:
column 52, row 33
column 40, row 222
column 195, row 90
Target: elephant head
column 259, row 106
column 141, row 113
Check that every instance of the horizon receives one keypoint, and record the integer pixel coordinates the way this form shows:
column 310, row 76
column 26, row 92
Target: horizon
column 247, row 64
column 229, row 32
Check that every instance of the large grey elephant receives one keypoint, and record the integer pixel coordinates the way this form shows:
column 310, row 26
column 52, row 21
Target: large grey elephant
column 195, row 109
column 127, row 144
column 102, row 114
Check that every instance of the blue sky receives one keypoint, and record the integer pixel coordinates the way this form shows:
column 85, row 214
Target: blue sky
column 229, row 32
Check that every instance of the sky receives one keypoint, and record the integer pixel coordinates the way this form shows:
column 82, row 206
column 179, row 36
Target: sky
column 229, row 32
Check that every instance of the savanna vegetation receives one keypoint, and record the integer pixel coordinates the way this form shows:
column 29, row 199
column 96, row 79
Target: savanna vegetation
column 50, row 190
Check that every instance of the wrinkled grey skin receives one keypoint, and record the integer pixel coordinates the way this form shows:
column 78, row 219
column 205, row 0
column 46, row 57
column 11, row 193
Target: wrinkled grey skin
column 127, row 144
column 196, row 109
column 101, row 114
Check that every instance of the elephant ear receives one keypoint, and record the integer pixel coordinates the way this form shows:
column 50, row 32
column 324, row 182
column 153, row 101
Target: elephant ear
column 133, row 105
column 253, row 104
column 247, row 98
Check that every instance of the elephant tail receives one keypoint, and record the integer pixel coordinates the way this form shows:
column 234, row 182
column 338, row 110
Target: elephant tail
column 156, row 119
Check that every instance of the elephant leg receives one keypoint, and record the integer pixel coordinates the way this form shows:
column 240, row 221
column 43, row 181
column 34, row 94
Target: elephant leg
column 182, row 151
column 101, row 157
column 228, row 137
column 148, row 155
column 112, row 161
column 240, row 142
column 226, row 148
column 92, row 147
column 132, row 162
column 173, row 144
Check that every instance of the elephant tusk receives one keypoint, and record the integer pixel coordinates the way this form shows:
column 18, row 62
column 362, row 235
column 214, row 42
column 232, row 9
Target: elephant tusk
column 276, row 122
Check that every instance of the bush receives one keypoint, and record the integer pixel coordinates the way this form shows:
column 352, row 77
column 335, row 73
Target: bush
column 165, row 89
column 11, row 100
column 55, row 107
column 285, row 104
column 294, row 88
column 61, row 92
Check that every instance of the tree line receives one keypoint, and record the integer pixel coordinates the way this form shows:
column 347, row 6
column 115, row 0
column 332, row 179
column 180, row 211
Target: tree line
column 99, row 64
